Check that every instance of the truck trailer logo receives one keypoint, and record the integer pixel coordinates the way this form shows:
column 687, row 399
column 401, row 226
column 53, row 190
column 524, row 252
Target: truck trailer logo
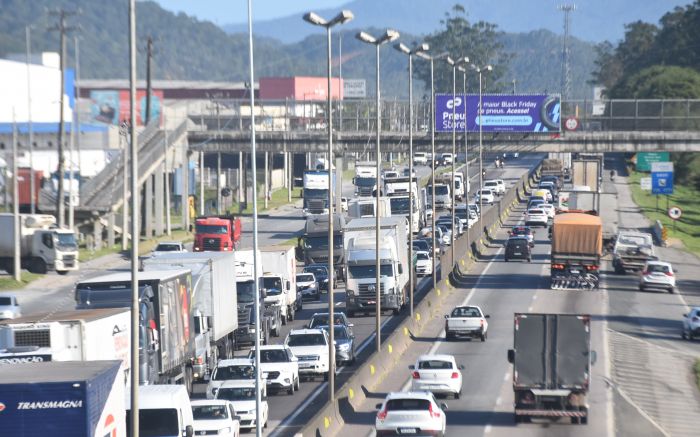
column 2, row 407
column 47, row 405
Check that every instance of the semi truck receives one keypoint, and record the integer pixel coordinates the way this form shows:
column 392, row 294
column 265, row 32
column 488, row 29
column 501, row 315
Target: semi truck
column 577, row 245
column 43, row 245
column 365, row 180
column 360, row 265
column 279, row 280
column 246, row 295
column 213, row 301
column 552, row 360
column 313, row 245
column 315, row 192
column 166, row 326
column 217, row 233
column 363, row 207
column 632, row 250
column 71, row 398
column 72, row 335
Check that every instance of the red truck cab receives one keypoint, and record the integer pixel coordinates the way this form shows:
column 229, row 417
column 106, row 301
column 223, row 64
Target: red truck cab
column 218, row 233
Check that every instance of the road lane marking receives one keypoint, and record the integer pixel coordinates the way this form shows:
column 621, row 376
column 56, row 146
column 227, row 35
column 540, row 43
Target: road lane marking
column 487, row 429
column 506, row 377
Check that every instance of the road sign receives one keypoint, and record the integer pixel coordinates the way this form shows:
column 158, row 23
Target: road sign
column 675, row 212
column 571, row 124
column 665, row 166
column 662, row 182
column 645, row 184
column 645, row 159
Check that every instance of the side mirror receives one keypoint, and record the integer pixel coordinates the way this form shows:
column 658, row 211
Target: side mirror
column 400, row 269
column 443, row 406
column 511, row 355
column 378, row 406
column 487, row 316
column 289, row 285
column 594, row 357
column 295, row 359
column 411, row 367
column 189, row 431
column 238, row 418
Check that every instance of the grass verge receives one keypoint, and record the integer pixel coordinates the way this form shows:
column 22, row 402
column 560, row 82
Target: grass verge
column 9, row 283
column 687, row 229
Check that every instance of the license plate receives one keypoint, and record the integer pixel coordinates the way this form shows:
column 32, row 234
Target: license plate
column 408, row 431
column 517, row 253
column 371, row 302
column 575, row 272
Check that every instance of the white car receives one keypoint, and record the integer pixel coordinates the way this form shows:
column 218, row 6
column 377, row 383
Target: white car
column 536, row 217
column 242, row 395
column 169, row 247
column 344, row 204
column 501, row 186
column 438, row 374
column 215, row 417
column 424, row 263
column 466, row 321
column 236, row 369
column 310, row 346
column 548, row 209
column 485, row 196
column 491, row 185
column 658, row 274
column 279, row 366
column 411, row 413
column 691, row 324
column 9, row 307
column 308, row 286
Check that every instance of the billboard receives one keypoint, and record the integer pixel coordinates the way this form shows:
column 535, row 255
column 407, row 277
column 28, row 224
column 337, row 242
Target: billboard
column 112, row 106
column 502, row 113
column 354, row 88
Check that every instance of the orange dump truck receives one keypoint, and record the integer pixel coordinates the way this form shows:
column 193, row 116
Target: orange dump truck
column 577, row 244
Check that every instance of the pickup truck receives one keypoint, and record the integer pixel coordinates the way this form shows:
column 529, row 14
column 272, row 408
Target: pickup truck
column 466, row 321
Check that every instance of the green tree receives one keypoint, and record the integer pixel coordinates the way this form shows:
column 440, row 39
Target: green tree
column 659, row 82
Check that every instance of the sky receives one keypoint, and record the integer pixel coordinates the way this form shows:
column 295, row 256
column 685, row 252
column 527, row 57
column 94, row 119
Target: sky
column 235, row 11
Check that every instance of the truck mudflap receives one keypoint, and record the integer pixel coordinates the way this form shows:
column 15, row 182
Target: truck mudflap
column 551, row 413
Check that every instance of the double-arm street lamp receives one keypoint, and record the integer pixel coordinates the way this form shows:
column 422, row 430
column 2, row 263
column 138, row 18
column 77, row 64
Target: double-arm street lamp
column 388, row 36
column 341, row 18
column 463, row 70
column 480, row 70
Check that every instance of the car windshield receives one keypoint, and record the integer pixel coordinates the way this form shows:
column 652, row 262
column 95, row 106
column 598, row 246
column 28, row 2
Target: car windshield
column 520, row 231
column 235, row 394
column 422, row 256
column 434, row 365
column 339, row 332
column 211, row 229
column 167, row 247
column 322, row 320
column 271, row 356
column 319, row 271
column 485, row 192
column 306, row 340
column 399, row 205
column 209, row 412
column 365, row 182
column 490, row 184
column 407, row 404
column 156, row 422
column 370, row 271
column 234, row 372
column 273, row 286
column 535, row 212
column 657, row 268
column 466, row 312
column 245, row 291
column 305, row 278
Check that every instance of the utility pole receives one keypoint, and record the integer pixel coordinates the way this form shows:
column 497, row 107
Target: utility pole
column 62, row 28
column 149, row 89
column 30, row 127
column 565, row 66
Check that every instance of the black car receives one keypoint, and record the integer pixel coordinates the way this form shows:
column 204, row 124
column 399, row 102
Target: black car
column 320, row 271
column 518, row 248
column 422, row 245
column 523, row 231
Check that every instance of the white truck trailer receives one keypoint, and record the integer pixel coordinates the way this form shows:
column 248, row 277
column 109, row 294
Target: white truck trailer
column 360, row 265
column 43, row 246
column 279, row 279
column 363, row 207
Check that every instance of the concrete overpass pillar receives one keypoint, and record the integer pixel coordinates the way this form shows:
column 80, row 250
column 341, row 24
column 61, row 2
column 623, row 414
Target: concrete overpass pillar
column 97, row 233
column 148, row 207
column 338, row 183
column 185, row 204
column 159, row 199
column 219, row 186
column 110, row 230
column 240, row 177
column 266, row 187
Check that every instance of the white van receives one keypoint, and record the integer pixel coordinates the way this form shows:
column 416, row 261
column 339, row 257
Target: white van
column 163, row 410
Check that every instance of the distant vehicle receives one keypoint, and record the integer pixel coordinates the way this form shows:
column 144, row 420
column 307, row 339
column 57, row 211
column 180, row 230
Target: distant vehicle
column 443, row 198
column 548, row 209
column 422, row 245
column 310, row 346
column 447, row 159
column 215, row 417
column 344, row 340
column 320, row 271
column 438, row 374
column 535, row 202
column 518, row 248
column 420, row 158
column 658, row 274
column 485, row 196
column 544, row 193
column 307, row 284
column 9, row 306
column 536, row 217
column 496, row 185
column 234, row 369
column 446, row 238
column 475, row 207
column 242, row 395
column 315, row 192
column 279, row 366
column 312, row 246
column 466, row 215
column 691, row 324
column 163, row 410
column 577, row 244
column 169, row 247
column 523, row 231
column 344, row 204
column 412, row 413
column 217, row 233
column 446, row 220
column 424, row 263
column 466, row 321
column 321, row 319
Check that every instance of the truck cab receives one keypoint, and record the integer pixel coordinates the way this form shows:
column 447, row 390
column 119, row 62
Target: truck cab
column 315, row 192
column 313, row 245
column 220, row 233
column 245, row 295
column 632, row 251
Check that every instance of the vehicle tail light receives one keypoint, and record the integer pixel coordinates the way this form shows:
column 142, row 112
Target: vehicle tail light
column 381, row 415
column 669, row 274
column 455, row 375
column 433, row 414
column 416, row 375
column 482, row 322
column 592, row 268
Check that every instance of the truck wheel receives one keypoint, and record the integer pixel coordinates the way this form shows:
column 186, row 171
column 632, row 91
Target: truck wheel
column 38, row 266
column 187, row 379
column 290, row 312
column 62, row 272
column 297, row 384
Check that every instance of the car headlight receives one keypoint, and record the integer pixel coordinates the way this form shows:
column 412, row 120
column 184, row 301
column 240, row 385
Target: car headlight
column 251, row 330
column 325, row 280
column 225, row 431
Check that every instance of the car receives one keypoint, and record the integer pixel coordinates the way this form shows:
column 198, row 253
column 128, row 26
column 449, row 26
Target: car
column 475, row 207
column 536, row 217
column 493, row 186
column 552, row 178
column 321, row 319
column 466, row 321
column 344, row 340
column 420, row 158
column 235, row 369
column 320, row 271
column 447, row 159
column 549, row 209
column 424, row 263
column 427, row 232
column 523, row 231
column 310, row 346
column 168, row 247
column 280, row 367
column 658, row 275
column 438, row 374
column 446, row 237
column 691, row 324
column 307, row 284
column 446, row 223
column 534, row 203
column 435, row 251
column 422, row 245
column 344, row 204
column 215, row 417
column 485, row 196
column 543, row 193
column 410, row 413
column 518, row 248
column 242, row 395
column 9, row 306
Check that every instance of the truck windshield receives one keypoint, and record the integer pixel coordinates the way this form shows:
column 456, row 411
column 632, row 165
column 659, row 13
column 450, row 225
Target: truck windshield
column 156, row 422
column 365, row 182
column 400, row 205
column 322, row 242
column 245, row 291
column 65, row 240
column 273, row 286
column 211, row 229
column 370, row 271
column 312, row 193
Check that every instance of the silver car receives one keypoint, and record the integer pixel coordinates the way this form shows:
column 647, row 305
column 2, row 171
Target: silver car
column 658, row 275
column 9, row 307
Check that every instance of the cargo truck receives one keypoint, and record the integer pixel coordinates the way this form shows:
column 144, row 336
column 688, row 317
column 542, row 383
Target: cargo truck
column 360, row 265
column 73, row 335
column 246, row 295
column 213, row 301
column 216, row 233
column 315, row 192
column 166, row 325
column 365, row 206
column 313, row 245
column 552, row 361
column 72, row 398
column 43, row 245
column 279, row 280
column 365, row 180
column 577, row 245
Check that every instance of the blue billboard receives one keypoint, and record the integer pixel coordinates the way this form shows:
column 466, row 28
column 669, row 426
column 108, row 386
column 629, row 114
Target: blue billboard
column 502, row 113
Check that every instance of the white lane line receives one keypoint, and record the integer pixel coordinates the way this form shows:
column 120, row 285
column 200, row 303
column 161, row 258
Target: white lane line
column 487, row 429
column 610, row 422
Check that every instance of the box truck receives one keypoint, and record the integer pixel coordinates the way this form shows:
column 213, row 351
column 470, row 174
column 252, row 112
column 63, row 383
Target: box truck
column 577, row 245
column 279, row 279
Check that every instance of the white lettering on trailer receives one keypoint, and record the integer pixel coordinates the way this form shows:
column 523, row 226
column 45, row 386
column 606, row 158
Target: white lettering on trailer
column 49, row 405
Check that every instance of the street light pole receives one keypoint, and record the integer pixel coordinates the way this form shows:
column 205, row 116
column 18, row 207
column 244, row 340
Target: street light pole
column 341, row 18
column 388, row 36
column 481, row 131
column 466, row 147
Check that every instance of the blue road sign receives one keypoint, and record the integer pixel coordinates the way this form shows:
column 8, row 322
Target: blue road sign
column 662, row 182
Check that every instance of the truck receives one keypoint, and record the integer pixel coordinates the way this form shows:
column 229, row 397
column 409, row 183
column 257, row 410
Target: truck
column 166, row 325
column 577, row 245
column 401, row 206
column 315, row 192
column 279, row 280
column 632, row 250
column 553, row 167
column 363, row 207
column 457, row 180
column 365, row 180
column 163, row 410
column 313, row 244
column 72, row 335
column 43, row 245
column 360, row 265
column 70, row 398
column 245, row 303
column 217, row 233
column 552, row 360
column 213, row 301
